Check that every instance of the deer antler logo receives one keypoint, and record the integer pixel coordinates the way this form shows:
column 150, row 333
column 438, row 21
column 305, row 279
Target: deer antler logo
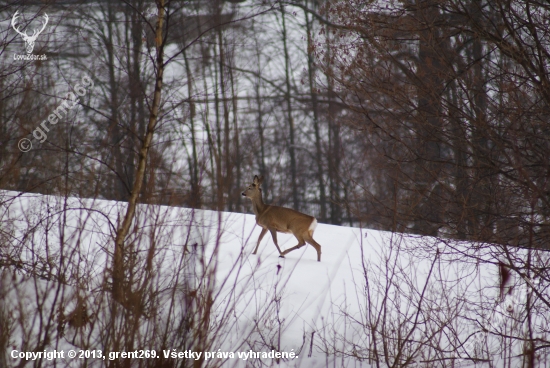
column 29, row 39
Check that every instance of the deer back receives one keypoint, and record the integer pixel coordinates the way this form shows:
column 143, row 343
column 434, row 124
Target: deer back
column 285, row 220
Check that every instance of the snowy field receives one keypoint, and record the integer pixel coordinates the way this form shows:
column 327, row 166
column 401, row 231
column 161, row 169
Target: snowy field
column 375, row 296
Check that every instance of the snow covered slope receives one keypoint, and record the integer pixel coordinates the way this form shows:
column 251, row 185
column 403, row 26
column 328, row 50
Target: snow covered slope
column 375, row 295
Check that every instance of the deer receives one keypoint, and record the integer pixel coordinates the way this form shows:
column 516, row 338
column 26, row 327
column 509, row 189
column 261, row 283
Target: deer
column 28, row 39
column 281, row 219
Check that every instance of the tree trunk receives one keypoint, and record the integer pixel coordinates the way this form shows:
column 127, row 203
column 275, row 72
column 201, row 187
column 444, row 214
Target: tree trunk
column 315, row 108
column 118, row 258
column 292, row 144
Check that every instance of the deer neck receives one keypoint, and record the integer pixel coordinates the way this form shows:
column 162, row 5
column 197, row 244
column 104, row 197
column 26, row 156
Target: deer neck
column 259, row 206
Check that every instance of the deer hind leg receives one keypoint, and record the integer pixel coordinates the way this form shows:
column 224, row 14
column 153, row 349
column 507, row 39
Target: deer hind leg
column 301, row 243
column 274, row 236
column 264, row 230
column 315, row 245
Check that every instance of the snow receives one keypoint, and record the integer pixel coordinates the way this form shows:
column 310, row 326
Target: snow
column 295, row 304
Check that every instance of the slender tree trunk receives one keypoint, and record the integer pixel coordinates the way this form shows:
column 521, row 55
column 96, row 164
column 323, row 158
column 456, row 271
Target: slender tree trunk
column 292, row 145
column 122, row 231
column 334, row 147
column 219, row 154
column 228, row 175
column 315, row 108
column 481, row 199
column 461, row 206
column 195, row 200
column 259, row 106
column 135, row 90
column 119, row 186
column 427, row 203
column 237, row 160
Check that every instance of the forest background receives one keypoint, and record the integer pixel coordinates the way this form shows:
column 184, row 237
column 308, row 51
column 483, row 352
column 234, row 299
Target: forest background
column 421, row 117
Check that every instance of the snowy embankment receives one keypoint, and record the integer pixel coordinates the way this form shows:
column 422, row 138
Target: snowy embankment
column 371, row 291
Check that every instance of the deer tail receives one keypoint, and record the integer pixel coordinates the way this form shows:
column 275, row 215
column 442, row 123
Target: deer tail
column 312, row 226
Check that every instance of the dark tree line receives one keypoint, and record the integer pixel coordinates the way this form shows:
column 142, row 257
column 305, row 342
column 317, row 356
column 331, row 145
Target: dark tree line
column 428, row 117
column 450, row 102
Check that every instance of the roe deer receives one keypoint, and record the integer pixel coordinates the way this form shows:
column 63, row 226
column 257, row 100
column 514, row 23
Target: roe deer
column 284, row 220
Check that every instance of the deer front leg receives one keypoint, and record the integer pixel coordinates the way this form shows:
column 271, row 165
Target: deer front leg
column 274, row 236
column 264, row 230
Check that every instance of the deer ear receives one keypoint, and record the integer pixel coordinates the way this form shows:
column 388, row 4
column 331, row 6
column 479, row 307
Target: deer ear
column 260, row 180
column 257, row 180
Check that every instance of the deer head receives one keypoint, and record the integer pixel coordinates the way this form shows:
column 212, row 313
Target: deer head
column 254, row 190
column 29, row 40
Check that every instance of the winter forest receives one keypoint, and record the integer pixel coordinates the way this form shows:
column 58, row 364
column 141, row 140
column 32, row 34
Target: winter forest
column 416, row 132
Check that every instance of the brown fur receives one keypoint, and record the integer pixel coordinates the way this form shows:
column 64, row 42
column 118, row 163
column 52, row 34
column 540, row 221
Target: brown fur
column 281, row 219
